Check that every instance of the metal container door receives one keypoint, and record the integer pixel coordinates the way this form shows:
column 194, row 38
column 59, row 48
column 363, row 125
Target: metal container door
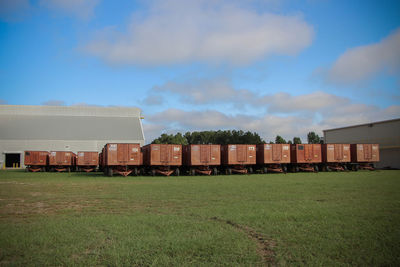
column 164, row 154
column 241, row 153
column 122, row 153
column 205, row 154
column 308, row 152
column 35, row 157
column 338, row 150
column 367, row 152
column 277, row 152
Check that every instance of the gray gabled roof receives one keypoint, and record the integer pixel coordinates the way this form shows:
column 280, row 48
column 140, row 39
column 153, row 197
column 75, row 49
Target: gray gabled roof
column 359, row 125
column 69, row 123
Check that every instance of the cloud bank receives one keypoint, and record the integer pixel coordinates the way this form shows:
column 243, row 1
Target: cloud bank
column 178, row 31
column 363, row 62
column 286, row 115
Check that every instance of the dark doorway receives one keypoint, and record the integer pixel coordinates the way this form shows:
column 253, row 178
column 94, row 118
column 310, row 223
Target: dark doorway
column 13, row 160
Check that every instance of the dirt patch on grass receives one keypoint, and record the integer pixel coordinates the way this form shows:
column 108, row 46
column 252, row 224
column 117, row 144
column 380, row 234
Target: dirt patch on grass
column 264, row 245
column 23, row 208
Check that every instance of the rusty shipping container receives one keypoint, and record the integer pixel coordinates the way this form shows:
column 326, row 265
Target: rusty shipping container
column 87, row 160
column 199, row 158
column 364, row 153
column 238, row 154
column 306, row 153
column 163, row 159
column 273, row 157
column 121, row 158
column 202, row 155
column 273, row 153
column 62, row 160
column 162, row 155
column 36, row 160
column 121, row 155
column 336, row 153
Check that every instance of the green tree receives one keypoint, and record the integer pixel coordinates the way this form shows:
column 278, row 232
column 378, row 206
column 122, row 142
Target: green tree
column 313, row 138
column 296, row 140
column 211, row 137
column 279, row 140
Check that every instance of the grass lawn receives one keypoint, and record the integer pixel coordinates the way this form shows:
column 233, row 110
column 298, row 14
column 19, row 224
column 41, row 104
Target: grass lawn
column 325, row 219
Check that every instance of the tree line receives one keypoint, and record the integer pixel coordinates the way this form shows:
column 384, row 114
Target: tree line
column 227, row 137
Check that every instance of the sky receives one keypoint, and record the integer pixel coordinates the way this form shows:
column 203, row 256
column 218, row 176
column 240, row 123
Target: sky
column 275, row 67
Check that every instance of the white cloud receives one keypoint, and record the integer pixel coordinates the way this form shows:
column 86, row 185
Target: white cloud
column 203, row 91
column 54, row 103
column 268, row 126
column 363, row 62
column 178, row 31
column 83, row 9
column 220, row 90
column 153, row 100
column 287, row 124
column 313, row 102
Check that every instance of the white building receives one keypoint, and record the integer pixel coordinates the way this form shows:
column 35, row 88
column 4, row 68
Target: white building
column 64, row 128
column 384, row 133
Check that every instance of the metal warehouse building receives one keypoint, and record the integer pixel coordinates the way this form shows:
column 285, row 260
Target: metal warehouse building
column 384, row 133
column 65, row 128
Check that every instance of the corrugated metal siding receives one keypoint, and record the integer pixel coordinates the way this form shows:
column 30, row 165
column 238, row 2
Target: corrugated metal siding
column 66, row 128
column 25, row 127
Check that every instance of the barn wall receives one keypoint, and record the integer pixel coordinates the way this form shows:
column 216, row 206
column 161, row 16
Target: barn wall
column 385, row 133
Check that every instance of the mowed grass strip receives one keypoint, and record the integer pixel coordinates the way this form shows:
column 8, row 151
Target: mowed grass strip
column 346, row 218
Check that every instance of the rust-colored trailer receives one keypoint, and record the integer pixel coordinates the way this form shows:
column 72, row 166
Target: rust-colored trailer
column 364, row 156
column 335, row 156
column 273, row 157
column 62, row 161
column 36, row 160
column 238, row 158
column 121, row 158
column 202, row 159
column 87, row 161
column 164, row 159
column 305, row 157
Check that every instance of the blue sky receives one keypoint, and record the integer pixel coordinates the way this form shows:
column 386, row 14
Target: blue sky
column 270, row 66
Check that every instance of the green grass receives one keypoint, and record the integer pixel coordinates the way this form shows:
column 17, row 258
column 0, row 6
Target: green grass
column 308, row 219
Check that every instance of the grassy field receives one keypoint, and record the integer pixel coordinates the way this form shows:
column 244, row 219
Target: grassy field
column 324, row 219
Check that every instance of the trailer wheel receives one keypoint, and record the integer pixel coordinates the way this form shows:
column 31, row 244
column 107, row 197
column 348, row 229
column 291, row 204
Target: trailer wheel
column 284, row 168
column 327, row 168
column 316, row 168
column 109, row 172
column 177, row 172
column 215, row 171
column 265, row 170
column 372, row 166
